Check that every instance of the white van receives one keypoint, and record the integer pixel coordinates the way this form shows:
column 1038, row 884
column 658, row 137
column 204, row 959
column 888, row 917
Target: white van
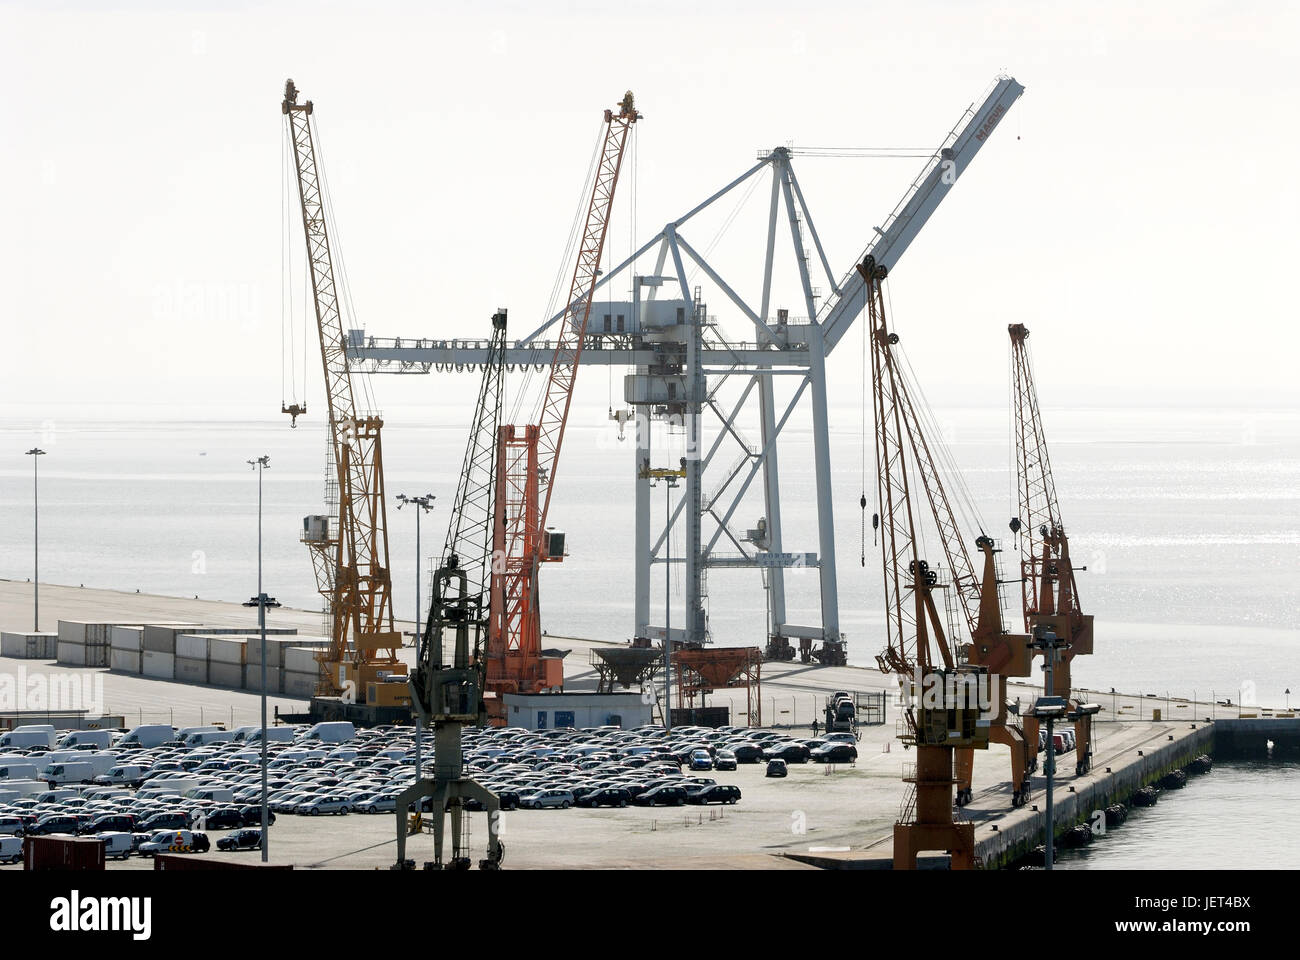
column 121, row 773
column 11, row 849
column 117, row 846
column 203, row 738
column 216, row 794
column 273, row 735
column 68, row 772
column 54, row 796
column 28, row 738
column 18, row 770
column 148, row 735
column 239, row 734
column 331, row 731
column 103, row 739
column 184, row 732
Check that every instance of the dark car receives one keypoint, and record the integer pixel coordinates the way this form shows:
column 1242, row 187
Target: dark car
column 747, row 752
column 252, row 815
column 225, row 818
column 241, row 840
column 509, row 800
column 789, row 752
column 776, row 768
column 718, row 793
column 666, row 795
column 834, row 753
column 108, row 823
column 175, row 820
column 54, row 823
column 605, row 797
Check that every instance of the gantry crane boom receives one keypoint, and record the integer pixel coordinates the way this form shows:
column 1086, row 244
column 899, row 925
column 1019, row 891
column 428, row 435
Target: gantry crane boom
column 1049, row 594
column 352, row 559
column 528, row 460
column 919, row 202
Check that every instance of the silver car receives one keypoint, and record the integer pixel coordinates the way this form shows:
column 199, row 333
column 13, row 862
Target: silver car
column 543, row 799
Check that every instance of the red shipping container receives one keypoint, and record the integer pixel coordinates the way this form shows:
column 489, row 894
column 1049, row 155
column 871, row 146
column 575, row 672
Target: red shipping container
column 63, row 853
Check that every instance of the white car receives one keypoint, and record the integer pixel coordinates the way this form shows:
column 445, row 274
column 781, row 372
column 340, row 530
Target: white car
column 325, row 804
column 542, row 799
column 377, row 803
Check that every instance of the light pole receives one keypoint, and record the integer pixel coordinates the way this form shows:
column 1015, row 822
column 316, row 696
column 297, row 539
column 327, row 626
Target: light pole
column 670, row 478
column 1050, row 708
column 36, row 453
column 422, row 505
column 262, row 601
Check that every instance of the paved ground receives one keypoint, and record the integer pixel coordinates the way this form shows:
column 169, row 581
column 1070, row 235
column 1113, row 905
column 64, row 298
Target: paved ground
column 815, row 808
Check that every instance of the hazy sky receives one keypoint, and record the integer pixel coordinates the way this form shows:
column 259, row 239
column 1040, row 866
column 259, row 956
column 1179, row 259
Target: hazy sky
column 1136, row 209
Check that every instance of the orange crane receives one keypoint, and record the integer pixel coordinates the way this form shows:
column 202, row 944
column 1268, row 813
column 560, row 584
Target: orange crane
column 940, row 715
column 528, row 460
column 1049, row 594
column 350, row 550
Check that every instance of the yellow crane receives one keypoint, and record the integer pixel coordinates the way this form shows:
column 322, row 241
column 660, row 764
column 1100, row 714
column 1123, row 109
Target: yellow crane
column 350, row 549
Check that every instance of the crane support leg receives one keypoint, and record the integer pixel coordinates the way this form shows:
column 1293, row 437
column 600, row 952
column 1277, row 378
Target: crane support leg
column 448, row 797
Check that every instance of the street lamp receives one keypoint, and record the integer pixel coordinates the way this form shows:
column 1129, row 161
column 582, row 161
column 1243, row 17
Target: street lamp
column 35, row 453
column 670, row 477
column 262, row 601
column 423, row 505
column 1050, row 708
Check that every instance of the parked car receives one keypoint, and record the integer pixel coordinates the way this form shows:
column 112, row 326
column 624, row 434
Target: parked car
column 789, row 752
column 776, row 768
column 725, row 760
column 167, row 820
column 247, row 839
column 700, row 759
column 108, row 823
column 253, row 816
column 542, row 799
column 665, row 795
column 717, row 793
column 325, row 804
column 834, row 752
column 605, row 797
column 748, row 752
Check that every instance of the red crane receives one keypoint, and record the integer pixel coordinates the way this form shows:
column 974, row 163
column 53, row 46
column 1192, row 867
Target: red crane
column 528, row 459
column 1049, row 595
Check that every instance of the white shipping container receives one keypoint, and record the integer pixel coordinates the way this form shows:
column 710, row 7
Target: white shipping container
column 160, row 666
column 97, row 654
column 301, row 659
column 277, row 647
column 73, row 654
column 124, row 661
column 192, row 646
column 225, row 674
column 298, row 684
column 125, row 638
column 228, row 650
column 190, row 671
column 29, row 646
column 253, row 678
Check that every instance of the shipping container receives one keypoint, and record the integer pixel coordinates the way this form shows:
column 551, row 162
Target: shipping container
column 229, row 650
column 190, row 671
column 192, row 646
column 72, row 653
column 63, row 853
column 29, row 646
column 225, row 675
column 124, row 661
column 299, row 659
column 160, row 666
column 301, row 685
column 253, row 678
column 126, row 638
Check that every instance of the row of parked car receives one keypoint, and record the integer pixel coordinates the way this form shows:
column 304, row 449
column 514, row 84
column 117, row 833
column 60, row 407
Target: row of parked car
column 172, row 795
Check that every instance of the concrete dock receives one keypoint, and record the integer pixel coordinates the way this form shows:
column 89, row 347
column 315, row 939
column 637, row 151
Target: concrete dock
column 839, row 816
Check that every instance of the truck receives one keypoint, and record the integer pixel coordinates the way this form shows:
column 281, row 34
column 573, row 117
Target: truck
column 331, row 731
column 841, row 713
column 148, row 736
column 102, row 739
column 26, row 737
